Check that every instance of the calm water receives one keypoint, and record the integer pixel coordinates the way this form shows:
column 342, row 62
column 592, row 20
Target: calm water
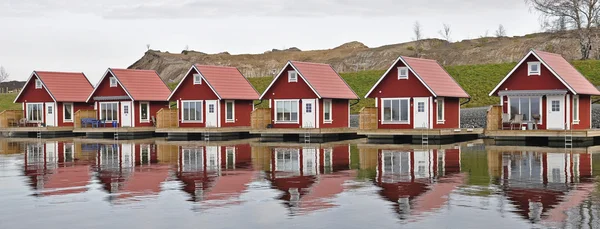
column 79, row 183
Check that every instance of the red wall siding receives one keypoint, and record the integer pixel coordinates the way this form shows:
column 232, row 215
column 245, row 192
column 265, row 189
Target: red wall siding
column 584, row 112
column 30, row 94
column 188, row 91
column 104, row 88
column 281, row 89
column 451, row 113
column 76, row 107
column 154, row 108
column 520, row 81
column 242, row 110
column 392, row 87
column 340, row 115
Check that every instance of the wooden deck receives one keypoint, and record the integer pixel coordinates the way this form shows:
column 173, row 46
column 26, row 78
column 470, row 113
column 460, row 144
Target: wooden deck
column 419, row 146
column 414, row 132
column 590, row 133
column 113, row 130
column 36, row 129
column 204, row 130
column 316, row 145
column 304, row 131
column 162, row 141
column 579, row 150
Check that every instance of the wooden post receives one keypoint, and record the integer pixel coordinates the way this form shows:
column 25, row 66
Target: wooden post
column 494, row 118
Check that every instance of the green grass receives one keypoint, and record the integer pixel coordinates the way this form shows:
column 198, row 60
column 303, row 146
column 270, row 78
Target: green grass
column 6, row 102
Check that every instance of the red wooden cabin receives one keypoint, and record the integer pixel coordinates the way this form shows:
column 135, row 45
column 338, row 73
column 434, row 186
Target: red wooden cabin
column 129, row 97
column 547, row 86
column 53, row 98
column 214, row 96
column 417, row 93
column 309, row 95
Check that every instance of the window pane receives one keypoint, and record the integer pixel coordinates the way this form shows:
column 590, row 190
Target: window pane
column 68, row 110
column 514, row 107
column 387, row 110
column 525, row 108
column 144, row 110
column 396, row 110
column 404, row 110
column 229, row 110
column 115, row 111
column 575, row 108
column 294, row 105
column 198, row 111
column 535, row 107
column 186, row 111
column 440, row 110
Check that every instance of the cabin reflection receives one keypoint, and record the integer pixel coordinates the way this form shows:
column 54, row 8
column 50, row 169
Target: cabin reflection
column 309, row 177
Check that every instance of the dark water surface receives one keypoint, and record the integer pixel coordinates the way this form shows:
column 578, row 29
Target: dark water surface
column 77, row 183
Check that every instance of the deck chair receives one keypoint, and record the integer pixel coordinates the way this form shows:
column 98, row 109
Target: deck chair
column 517, row 120
column 536, row 120
column 505, row 120
column 23, row 122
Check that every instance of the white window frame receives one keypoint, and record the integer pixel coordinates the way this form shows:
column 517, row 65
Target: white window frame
column 443, row 110
column 199, row 79
column 576, row 110
column 147, row 112
column 290, row 79
column 64, row 112
column 530, row 97
column 42, row 114
column 330, row 110
column 38, row 84
column 399, row 115
column 100, row 112
column 201, row 111
column 298, row 110
column 232, row 120
column 402, row 77
column 113, row 81
column 539, row 68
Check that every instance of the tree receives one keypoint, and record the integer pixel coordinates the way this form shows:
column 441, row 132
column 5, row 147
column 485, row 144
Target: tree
column 445, row 33
column 418, row 37
column 3, row 74
column 500, row 32
column 147, row 46
column 579, row 15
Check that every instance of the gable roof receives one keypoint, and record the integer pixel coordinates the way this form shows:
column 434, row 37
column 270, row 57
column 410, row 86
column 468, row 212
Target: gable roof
column 225, row 82
column 321, row 78
column 573, row 80
column 63, row 86
column 431, row 74
column 140, row 85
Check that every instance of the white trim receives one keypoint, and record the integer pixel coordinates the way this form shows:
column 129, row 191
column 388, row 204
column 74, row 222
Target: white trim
column 118, row 110
column 27, row 82
column 102, row 79
column 390, row 69
column 110, row 80
column 199, row 82
column 232, row 111
column 568, row 111
column 521, row 62
column 534, row 63
column 38, row 84
column 148, row 112
column 399, row 115
column 72, row 114
column 218, row 111
column 289, row 63
column 400, row 77
column 317, row 112
column 376, row 101
column 443, row 101
column 330, row 111
column 529, row 97
column 43, row 113
column 298, row 109
column 290, row 79
column 201, row 112
column 349, row 114
column 576, row 121
column 430, row 104
column 186, row 75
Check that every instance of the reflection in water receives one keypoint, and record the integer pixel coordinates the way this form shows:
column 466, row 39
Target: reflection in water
column 510, row 186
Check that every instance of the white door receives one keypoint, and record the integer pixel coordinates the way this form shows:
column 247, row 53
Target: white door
column 421, row 113
column 126, row 114
column 127, row 156
column 556, row 115
column 310, row 161
column 213, row 159
column 50, row 114
column 211, row 113
column 308, row 113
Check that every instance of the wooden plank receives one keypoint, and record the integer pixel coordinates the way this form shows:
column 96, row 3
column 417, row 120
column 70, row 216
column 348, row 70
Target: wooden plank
column 260, row 118
column 303, row 131
column 541, row 133
column 10, row 118
column 204, row 130
column 81, row 114
column 434, row 132
column 494, row 118
column 112, row 130
column 368, row 119
column 167, row 118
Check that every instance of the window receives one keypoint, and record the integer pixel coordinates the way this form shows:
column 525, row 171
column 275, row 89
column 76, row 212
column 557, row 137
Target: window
column 440, row 110
column 197, row 79
column 395, row 111
column 67, row 112
column 191, row 159
column 69, row 157
column 113, row 81
column 38, row 84
column 211, row 108
column 229, row 111
column 287, row 160
column 421, row 107
column 144, row 112
column 533, row 68
column 50, row 109
column 35, row 112
column 192, row 111
column 109, row 111
column 555, row 105
column 308, row 108
column 402, row 73
column 327, row 111
column 287, row 111
column 292, row 76
column 528, row 106
column 575, row 109
column 125, row 109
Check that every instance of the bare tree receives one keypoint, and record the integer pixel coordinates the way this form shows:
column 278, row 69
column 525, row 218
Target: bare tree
column 579, row 15
column 3, row 74
column 485, row 34
column 147, row 46
column 500, row 32
column 445, row 33
column 418, row 37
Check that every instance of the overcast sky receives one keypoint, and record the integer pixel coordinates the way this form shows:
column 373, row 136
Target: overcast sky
column 90, row 36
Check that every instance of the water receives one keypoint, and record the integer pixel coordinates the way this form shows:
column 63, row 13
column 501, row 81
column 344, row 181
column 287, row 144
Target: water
column 77, row 183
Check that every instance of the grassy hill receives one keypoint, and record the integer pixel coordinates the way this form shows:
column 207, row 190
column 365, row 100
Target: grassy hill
column 6, row 102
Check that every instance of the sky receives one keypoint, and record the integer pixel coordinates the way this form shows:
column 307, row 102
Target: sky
column 91, row 36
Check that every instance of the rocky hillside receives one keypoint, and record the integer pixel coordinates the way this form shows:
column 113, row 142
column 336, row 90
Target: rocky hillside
column 355, row 56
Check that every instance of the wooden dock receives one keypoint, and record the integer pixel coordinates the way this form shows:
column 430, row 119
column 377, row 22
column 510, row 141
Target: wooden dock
column 553, row 138
column 119, row 133
column 416, row 136
column 35, row 132
column 206, row 133
column 311, row 135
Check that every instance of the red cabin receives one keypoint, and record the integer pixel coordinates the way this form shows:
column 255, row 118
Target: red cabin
column 129, row 97
column 546, row 89
column 417, row 93
column 52, row 98
column 309, row 95
column 214, row 96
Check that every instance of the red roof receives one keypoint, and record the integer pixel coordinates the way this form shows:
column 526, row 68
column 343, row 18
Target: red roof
column 432, row 75
column 142, row 85
column 228, row 82
column 324, row 80
column 66, row 86
column 567, row 73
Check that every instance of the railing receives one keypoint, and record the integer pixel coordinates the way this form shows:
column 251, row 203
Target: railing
column 167, row 118
column 260, row 117
column 368, row 118
column 10, row 118
column 494, row 118
column 81, row 114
